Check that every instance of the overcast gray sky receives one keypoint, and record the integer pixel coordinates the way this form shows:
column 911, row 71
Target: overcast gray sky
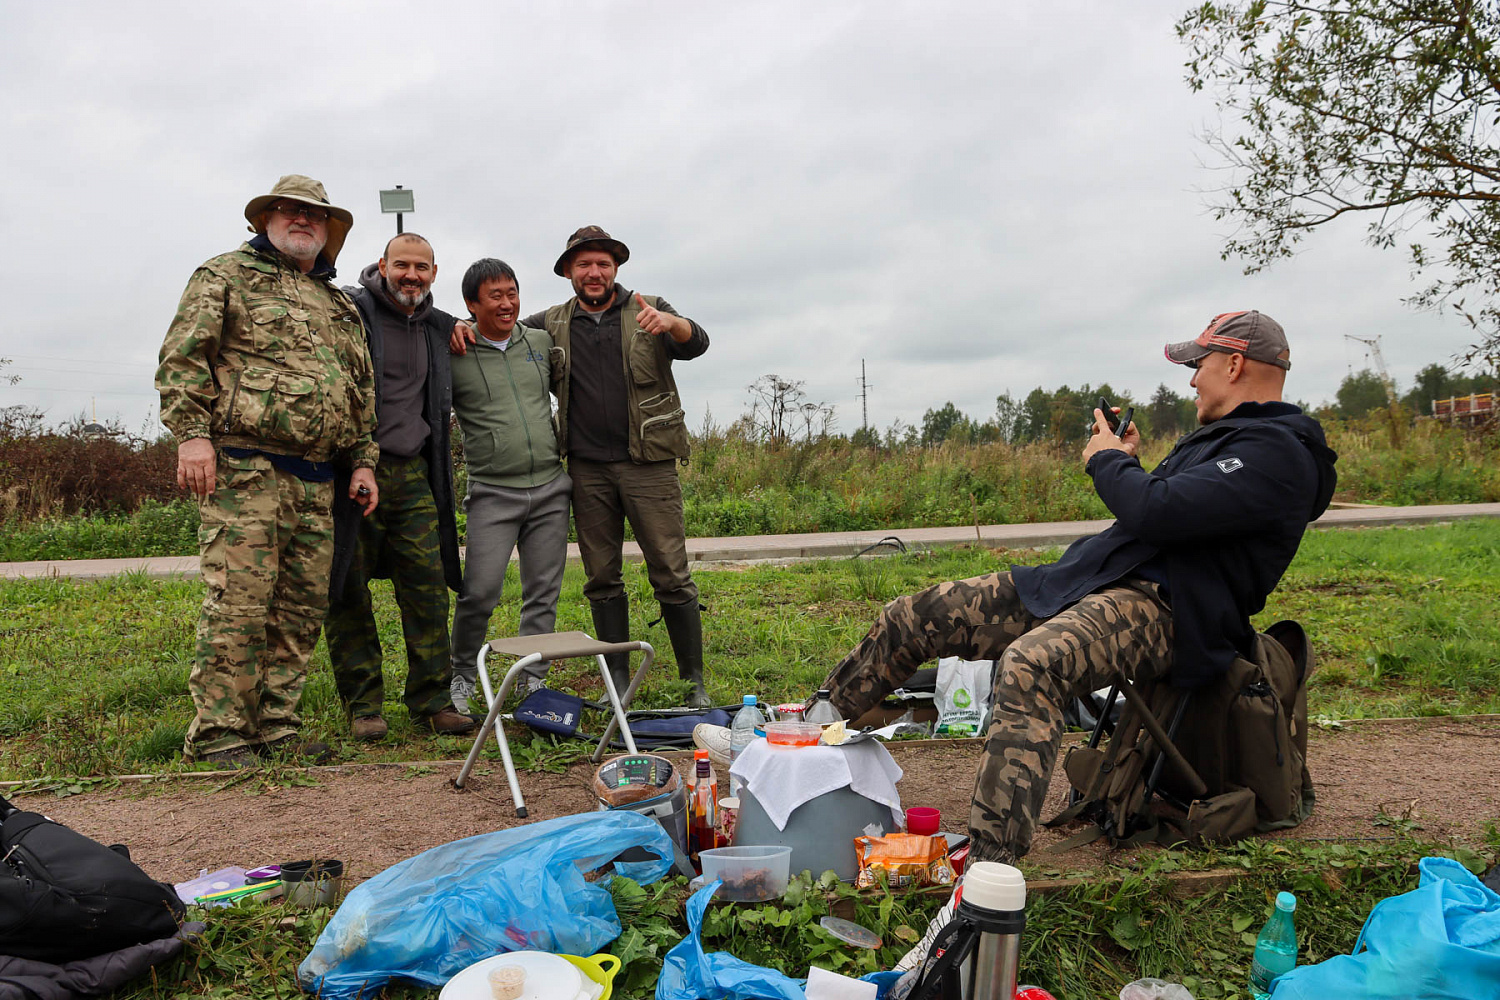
column 973, row 198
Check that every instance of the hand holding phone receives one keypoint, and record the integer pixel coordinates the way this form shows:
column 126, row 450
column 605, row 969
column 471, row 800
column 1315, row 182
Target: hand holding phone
column 1108, row 409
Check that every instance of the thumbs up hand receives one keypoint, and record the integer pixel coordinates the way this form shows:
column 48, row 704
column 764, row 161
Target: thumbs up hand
column 651, row 319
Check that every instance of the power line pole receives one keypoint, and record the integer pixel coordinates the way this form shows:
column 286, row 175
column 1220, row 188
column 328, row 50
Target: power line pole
column 864, row 398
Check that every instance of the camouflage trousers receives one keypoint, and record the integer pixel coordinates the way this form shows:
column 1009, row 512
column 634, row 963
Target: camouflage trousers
column 1039, row 665
column 400, row 539
column 265, row 544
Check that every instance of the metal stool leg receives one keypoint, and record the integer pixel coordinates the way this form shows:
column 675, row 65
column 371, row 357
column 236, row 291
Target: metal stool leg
column 1074, row 795
column 496, row 700
column 618, row 704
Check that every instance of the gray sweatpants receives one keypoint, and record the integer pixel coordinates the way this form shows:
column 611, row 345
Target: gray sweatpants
column 532, row 521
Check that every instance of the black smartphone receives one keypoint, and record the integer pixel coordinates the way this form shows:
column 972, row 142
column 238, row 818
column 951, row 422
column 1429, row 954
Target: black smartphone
column 1125, row 422
column 1109, row 414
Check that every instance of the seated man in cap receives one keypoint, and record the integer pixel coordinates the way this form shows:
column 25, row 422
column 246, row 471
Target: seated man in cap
column 1168, row 590
column 266, row 383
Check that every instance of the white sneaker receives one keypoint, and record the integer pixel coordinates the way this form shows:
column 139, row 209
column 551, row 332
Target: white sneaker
column 918, row 953
column 714, row 739
column 461, row 689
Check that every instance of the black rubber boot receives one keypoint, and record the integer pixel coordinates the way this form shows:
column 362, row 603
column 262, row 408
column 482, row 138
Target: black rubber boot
column 685, row 630
column 612, row 624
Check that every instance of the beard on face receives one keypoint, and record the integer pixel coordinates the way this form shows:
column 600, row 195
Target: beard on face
column 594, row 301
column 298, row 246
column 405, row 298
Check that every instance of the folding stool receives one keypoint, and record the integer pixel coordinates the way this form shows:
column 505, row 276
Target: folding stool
column 530, row 649
column 1143, row 710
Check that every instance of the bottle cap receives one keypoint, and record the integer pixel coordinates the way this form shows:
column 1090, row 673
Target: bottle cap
column 703, row 767
column 825, row 693
column 992, row 886
column 700, row 753
column 1286, row 901
column 749, row 700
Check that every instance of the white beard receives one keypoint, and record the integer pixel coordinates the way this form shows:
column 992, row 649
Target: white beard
column 299, row 246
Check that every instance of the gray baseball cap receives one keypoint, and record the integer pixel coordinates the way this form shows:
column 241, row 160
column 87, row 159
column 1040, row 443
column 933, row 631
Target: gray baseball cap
column 1251, row 333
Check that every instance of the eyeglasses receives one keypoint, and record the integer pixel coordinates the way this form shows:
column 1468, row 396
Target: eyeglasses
column 292, row 209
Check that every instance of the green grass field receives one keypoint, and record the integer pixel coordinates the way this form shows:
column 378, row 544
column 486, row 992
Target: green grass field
column 1405, row 621
column 93, row 675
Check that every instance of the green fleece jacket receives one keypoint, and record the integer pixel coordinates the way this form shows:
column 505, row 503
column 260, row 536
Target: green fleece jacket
column 504, row 408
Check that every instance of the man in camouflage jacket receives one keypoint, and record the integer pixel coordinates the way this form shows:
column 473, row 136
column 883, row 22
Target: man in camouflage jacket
column 266, row 382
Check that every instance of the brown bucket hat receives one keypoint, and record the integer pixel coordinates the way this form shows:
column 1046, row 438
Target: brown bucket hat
column 298, row 187
column 1251, row 333
column 591, row 238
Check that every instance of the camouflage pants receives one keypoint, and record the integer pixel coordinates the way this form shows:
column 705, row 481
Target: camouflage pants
column 1039, row 665
column 400, row 538
column 265, row 543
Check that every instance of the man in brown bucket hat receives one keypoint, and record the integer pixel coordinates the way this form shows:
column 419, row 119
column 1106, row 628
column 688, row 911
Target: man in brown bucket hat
column 622, row 426
column 266, row 383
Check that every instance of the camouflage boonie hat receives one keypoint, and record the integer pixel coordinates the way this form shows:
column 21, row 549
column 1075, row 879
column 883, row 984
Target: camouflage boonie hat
column 591, row 238
column 298, row 187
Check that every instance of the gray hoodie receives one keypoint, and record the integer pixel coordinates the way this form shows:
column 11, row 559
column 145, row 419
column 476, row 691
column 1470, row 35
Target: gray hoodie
column 402, row 430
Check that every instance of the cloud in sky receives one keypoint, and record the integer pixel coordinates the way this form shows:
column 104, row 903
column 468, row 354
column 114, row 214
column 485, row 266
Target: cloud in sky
column 971, row 198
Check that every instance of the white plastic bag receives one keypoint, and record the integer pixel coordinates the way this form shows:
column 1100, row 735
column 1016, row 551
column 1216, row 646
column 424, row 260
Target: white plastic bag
column 1154, row 989
column 963, row 695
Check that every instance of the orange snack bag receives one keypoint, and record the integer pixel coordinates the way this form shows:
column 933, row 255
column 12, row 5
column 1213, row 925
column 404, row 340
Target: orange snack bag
column 906, row 859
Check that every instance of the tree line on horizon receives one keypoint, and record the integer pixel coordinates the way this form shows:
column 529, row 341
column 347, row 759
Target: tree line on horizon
column 781, row 414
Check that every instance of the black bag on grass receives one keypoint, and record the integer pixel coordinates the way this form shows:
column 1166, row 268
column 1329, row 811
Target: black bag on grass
column 65, row 897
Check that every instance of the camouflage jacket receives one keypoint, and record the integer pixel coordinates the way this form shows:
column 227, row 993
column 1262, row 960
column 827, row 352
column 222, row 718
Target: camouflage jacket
column 261, row 355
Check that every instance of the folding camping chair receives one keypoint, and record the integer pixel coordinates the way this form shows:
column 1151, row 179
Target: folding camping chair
column 530, row 649
column 1144, row 710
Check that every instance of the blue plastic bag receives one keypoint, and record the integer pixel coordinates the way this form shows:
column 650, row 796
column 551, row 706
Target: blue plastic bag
column 689, row 973
column 1439, row 941
column 431, row 916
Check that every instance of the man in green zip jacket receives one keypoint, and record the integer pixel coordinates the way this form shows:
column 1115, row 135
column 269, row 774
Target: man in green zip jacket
column 518, row 492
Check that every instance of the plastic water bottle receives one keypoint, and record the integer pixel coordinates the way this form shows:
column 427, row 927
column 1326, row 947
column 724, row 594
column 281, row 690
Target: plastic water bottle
column 748, row 724
column 1275, row 947
column 821, row 710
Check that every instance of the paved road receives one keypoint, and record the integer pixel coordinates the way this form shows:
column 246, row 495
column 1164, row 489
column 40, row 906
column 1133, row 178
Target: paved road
column 821, row 545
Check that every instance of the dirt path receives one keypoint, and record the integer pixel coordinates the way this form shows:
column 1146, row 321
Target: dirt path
column 1442, row 774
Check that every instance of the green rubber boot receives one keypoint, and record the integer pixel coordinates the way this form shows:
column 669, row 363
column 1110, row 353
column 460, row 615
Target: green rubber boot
column 685, row 630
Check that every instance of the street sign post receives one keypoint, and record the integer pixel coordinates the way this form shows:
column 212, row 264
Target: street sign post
column 398, row 200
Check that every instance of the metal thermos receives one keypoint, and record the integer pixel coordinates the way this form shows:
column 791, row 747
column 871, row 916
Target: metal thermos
column 994, row 901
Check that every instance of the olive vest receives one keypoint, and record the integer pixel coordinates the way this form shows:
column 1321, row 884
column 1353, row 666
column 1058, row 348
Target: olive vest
column 658, row 426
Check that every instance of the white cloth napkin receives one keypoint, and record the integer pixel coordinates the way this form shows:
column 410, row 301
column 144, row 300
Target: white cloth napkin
column 782, row 778
column 825, row 985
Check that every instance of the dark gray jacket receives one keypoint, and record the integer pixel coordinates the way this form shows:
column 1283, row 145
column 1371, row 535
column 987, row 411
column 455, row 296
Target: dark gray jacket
column 23, row 979
column 438, row 408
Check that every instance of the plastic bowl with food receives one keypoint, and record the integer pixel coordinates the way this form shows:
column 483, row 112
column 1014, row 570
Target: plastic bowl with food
column 750, row 874
column 793, row 734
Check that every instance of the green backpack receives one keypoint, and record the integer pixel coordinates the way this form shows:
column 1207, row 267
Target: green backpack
column 1244, row 737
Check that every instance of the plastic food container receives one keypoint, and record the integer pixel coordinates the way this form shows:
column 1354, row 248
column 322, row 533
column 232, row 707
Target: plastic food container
column 749, row 874
column 793, row 734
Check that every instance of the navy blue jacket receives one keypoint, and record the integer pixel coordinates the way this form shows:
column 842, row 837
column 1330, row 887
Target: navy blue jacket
column 1218, row 521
